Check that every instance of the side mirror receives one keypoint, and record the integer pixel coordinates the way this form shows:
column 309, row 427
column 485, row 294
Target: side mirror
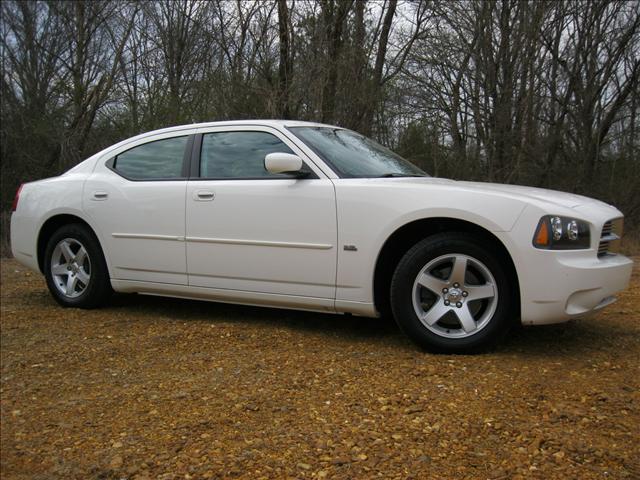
column 283, row 163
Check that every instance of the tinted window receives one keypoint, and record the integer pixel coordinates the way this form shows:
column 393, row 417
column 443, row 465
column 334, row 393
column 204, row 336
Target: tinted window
column 155, row 160
column 238, row 154
column 353, row 155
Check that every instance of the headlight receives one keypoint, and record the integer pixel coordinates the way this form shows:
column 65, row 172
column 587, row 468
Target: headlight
column 562, row 233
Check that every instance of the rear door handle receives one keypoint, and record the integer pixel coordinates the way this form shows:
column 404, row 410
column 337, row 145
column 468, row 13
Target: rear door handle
column 203, row 195
column 100, row 195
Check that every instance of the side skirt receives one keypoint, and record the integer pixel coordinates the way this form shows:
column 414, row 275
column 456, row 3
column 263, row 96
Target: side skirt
column 293, row 302
column 324, row 305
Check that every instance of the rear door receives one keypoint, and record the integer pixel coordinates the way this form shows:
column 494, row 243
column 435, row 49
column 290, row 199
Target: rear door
column 249, row 230
column 136, row 199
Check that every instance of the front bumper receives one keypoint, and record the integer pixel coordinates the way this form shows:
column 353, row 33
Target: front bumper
column 557, row 285
column 573, row 286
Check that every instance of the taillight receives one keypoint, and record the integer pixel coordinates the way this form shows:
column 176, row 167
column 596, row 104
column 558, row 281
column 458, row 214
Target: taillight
column 16, row 198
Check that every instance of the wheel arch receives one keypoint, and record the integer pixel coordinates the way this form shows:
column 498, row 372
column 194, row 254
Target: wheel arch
column 404, row 237
column 52, row 224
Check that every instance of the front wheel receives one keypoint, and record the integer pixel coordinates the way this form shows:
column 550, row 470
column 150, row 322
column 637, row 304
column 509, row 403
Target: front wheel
column 451, row 293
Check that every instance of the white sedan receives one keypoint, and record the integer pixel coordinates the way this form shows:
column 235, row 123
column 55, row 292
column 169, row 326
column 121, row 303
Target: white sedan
column 315, row 217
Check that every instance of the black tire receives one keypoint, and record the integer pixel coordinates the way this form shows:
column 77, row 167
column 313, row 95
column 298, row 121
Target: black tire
column 98, row 288
column 493, row 315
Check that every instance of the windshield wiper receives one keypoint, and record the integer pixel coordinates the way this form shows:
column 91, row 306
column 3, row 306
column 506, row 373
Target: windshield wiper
column 396, row 174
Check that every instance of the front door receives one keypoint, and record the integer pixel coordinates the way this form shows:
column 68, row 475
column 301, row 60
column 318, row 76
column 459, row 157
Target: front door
column 249, row 230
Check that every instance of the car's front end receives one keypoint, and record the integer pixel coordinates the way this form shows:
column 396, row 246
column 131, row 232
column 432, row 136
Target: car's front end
column 567, row 259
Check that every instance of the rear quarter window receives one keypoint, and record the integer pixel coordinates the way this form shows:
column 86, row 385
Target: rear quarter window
column 159, row 160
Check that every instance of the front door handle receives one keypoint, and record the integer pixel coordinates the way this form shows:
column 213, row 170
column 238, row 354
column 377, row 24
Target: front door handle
column 203, row 195
column 100, row 195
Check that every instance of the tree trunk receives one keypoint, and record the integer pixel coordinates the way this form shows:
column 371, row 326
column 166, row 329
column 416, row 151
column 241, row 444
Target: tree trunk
column 285, row 64
column 376, row 80
column 335, row 13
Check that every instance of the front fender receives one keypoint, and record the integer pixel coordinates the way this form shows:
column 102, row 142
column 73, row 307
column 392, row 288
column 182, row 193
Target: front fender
column 368, row 214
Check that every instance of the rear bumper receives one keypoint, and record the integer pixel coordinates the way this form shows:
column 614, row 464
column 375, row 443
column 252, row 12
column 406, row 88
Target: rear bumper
column 573, row 285
column 23, row 244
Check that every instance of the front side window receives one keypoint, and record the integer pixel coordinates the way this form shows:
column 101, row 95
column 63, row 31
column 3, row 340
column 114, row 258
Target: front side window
column 353, row 155
column 159, row 160
column 238, row 154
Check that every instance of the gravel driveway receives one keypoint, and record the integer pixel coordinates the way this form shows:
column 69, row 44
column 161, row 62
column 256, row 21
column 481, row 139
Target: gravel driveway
column 173, row 389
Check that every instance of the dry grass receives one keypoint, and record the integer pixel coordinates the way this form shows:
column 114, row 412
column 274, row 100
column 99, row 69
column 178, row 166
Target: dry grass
column 155, row 388
column 5, row 245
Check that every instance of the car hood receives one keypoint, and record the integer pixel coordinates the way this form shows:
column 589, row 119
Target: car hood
column 529, row 195
column 563, row 199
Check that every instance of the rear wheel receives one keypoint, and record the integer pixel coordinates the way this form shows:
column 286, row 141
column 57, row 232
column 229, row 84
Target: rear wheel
column 451, row 293
column 75, row 269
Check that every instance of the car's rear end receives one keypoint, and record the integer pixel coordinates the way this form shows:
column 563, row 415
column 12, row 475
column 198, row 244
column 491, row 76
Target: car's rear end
column 23, row 226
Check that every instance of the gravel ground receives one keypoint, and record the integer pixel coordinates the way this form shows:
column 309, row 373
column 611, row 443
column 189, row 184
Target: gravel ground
column 160, row 388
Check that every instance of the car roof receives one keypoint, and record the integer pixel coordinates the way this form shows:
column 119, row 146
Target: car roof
column 238, row 123
column 225, row 123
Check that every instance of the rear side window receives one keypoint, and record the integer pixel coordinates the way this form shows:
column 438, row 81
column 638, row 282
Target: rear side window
column 159, row 160
column 238, row 154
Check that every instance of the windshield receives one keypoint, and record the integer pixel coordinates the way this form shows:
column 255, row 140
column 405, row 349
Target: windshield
column 353, row 155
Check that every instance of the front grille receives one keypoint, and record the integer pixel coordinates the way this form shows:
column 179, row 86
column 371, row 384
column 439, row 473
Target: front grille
column 610, row 237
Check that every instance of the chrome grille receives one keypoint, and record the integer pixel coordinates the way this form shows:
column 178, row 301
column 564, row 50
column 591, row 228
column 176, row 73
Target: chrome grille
column 610, row 237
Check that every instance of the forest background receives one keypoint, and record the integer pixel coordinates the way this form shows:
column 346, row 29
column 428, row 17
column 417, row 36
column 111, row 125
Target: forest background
column 528, row 92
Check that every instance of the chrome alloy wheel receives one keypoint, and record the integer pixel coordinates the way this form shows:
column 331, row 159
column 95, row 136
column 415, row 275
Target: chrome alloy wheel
column 70, row 267
column 455, row 296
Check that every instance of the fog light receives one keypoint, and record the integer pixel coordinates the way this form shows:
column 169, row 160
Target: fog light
column 556, row 228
